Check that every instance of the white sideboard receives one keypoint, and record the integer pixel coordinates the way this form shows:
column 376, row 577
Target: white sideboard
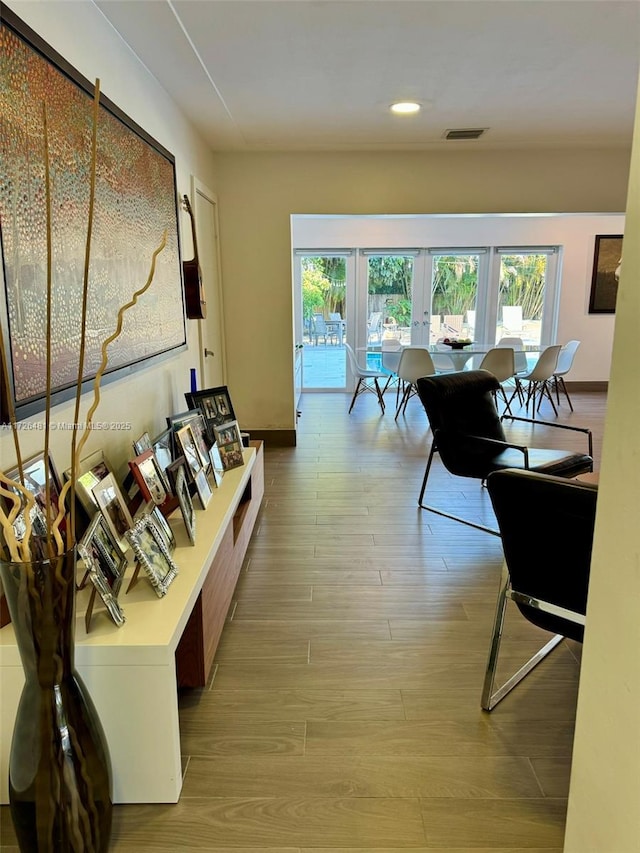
column 130, row 672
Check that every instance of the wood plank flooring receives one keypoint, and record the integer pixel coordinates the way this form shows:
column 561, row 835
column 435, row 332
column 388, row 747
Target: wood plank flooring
column 343, row 713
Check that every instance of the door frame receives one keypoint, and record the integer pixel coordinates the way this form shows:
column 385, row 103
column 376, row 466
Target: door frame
column 199, row 188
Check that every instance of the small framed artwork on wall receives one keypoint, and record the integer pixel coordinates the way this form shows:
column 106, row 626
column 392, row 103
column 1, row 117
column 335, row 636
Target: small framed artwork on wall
column 607, row 258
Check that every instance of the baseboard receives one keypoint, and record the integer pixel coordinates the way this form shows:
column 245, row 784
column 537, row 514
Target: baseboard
column 587, row 386
column 275, row 437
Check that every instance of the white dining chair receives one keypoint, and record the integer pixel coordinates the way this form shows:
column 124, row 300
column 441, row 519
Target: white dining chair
column 368, row 380
column 565, row 363
column 415, row 362
column 540, row 379
column 501, row 362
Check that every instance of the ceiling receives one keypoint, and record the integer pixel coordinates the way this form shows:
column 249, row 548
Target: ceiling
column 319, row 75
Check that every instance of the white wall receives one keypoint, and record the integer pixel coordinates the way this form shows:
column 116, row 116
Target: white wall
column 603, row 814
column 80, row 33
column 574, row 232
column 259, row 193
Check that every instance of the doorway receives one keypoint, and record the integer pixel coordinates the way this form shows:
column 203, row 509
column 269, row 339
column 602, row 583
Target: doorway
column 212, row 357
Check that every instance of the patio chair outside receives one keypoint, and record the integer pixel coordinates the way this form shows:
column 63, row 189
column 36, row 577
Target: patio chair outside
column 374, row 328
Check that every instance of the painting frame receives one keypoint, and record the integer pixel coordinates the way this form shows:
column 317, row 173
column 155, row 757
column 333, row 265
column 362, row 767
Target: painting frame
column 143, row 169
column 607, row 256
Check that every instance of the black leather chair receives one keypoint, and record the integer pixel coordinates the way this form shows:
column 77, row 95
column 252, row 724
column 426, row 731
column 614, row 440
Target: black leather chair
column 469, row 436
column 547, row 582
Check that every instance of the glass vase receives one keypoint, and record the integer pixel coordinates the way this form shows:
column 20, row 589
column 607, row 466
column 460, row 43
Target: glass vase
column 59, row 767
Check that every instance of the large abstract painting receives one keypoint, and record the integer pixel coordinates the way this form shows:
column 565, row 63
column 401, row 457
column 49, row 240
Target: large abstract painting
column 135, row 202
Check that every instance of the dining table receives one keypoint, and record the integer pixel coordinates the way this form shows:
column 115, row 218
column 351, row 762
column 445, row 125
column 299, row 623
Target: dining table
column 461, row 355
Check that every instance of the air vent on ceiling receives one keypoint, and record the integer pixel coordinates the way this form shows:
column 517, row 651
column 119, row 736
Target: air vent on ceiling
column 465, row 133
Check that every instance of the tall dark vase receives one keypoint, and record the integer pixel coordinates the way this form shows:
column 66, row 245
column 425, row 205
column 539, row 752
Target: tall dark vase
column 59, row 768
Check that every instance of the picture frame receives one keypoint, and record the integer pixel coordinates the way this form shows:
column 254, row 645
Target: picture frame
column 203, row 488
column 147, row 173
column 186, row 504
column 142, row 443
column 607, row 257
column 187, row 443
column 152, row 553
column 162, row 446
column 172, row 472
column 114, row 509
column 217, row 467
column 149, row 477
column 195, row 419
column 104, row 564
column 34, row 480
column 215, row 405
column 165, row 527
column 91, row 470
column 229, row 443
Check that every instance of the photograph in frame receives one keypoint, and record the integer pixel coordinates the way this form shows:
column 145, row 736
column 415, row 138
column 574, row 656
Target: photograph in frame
column 91, row 470
column 172, row 472
column 104, row 565
column 187, row 445
column 34, row 481
column 162, row 446
column 164, row 526
column 151, row 552
column 195, row 420
column 142, row 443
column 217, row 467
column 114, row 509
column 186, row 504
column 148, row 476
column 203, row 488
column 229, row 443
column 215, row 405
column 607, row 258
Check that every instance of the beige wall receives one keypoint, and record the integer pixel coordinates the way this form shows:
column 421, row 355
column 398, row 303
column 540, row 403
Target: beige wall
column 603, row 814
column 81, row 34
column 259, row 192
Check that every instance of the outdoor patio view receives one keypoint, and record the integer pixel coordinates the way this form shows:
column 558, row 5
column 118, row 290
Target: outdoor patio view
column 392, row 299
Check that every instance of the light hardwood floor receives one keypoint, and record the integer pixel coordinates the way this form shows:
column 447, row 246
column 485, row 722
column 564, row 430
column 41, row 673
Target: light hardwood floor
column 343, row 711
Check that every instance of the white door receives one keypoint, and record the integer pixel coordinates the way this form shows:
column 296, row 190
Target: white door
column 212, row 361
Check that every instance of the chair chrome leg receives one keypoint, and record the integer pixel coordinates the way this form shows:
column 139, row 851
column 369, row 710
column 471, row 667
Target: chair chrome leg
column 496, row 637
column 490, row 699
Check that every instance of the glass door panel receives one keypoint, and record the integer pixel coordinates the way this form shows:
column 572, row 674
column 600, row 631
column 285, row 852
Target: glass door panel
column 324, row 319
column 389, row 298
column 454, row 296
column 521, row 296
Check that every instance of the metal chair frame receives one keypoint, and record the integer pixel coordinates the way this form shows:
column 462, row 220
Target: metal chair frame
column 490, row 698
column 500, row 446
column 552, row 596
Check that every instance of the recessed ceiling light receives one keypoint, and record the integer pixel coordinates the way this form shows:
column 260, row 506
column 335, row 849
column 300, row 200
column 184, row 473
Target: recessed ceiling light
column 405, row 107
